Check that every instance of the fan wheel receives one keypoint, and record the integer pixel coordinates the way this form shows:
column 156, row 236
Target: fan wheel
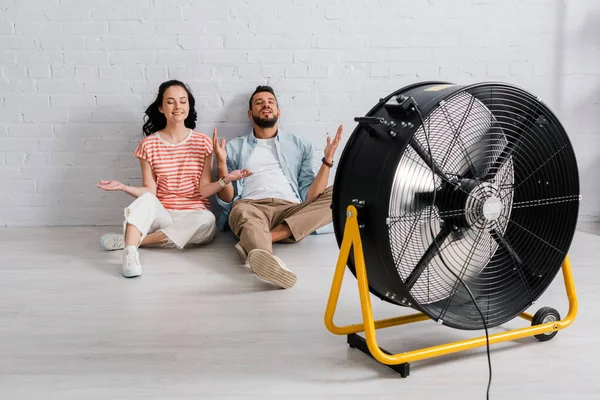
column 545, row 315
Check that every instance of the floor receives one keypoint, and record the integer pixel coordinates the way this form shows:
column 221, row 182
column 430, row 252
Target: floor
column 199, row 325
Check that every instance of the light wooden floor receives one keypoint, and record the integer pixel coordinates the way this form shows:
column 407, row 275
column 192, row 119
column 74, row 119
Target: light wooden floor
column 199, row 325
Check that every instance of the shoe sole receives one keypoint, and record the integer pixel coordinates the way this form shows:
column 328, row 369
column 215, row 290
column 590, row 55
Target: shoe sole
column 132, row 276
column 267, row 268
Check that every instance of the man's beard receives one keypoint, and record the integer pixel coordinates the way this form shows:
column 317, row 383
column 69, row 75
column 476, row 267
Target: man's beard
column 265, row 122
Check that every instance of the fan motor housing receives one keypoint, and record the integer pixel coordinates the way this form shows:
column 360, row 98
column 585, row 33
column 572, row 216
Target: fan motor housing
column 476, row 181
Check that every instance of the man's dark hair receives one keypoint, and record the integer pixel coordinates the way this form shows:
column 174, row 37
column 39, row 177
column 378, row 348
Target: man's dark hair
column 260, row 89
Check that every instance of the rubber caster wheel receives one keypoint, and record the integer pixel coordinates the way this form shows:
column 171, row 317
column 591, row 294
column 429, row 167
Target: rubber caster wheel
column 543, row 316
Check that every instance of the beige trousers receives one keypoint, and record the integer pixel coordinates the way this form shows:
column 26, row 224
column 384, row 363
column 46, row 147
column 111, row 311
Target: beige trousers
column 252, row 220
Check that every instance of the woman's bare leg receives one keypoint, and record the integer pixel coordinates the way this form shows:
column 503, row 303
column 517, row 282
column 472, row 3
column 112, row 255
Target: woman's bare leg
column 132, row 236
column 154, row 238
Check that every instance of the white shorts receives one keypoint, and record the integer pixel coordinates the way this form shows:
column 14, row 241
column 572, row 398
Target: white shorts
column 148, row 215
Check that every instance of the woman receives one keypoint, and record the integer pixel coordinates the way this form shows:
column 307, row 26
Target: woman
column 171, row 207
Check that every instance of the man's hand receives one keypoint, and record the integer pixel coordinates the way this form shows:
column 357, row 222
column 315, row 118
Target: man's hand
column 219, row 148
column 320, row 182
column 237, row 175
column 332, row 145
column 110, row 185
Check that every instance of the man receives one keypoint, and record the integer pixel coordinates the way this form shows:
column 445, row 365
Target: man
column 283, row 199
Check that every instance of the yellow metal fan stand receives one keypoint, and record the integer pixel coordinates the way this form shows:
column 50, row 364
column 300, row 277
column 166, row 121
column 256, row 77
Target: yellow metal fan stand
column 400, row 361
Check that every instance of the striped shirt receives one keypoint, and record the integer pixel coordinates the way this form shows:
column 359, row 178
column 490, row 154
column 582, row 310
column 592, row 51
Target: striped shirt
column 177, row 169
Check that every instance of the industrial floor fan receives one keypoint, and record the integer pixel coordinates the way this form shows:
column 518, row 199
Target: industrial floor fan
column 460, row 202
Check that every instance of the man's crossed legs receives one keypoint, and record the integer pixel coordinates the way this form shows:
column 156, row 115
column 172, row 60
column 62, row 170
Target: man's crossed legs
column 260, row 223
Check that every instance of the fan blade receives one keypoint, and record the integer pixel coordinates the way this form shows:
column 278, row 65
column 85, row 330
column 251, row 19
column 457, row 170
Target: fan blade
column 465, row 255
column 413, row 182
column 481, row 154
column 468, row 120
column 414, row 143
column 504, row 156
column 514, row 142
column 431, row 252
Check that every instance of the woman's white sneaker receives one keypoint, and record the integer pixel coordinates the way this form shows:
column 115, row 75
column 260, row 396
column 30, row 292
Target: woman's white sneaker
column 112, row 241
column 131, row 262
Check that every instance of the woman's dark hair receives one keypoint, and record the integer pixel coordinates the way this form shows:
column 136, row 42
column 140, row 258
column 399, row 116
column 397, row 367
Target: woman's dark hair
column 155, row 120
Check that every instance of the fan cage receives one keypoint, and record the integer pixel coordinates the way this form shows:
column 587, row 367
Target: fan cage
column 509, row 195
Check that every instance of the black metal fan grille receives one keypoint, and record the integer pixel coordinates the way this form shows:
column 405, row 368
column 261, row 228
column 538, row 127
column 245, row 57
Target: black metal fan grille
column 506, row 229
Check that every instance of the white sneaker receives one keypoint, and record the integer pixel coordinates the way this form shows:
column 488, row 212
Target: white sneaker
column 131, row 262
column 241, row 252
column 271, row 269
column 112, row 241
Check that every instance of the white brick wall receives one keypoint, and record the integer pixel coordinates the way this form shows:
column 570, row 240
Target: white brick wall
column 76, row 75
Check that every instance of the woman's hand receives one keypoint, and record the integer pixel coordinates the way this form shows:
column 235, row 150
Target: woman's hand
column 237, row 175
column 219, row 148
column 110, row 185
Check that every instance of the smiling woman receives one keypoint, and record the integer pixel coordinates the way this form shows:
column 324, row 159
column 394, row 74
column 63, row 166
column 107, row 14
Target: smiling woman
column 171, row 207
column 174, row 102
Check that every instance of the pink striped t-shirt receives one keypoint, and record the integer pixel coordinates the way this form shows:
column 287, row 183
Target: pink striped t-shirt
column 177, row 169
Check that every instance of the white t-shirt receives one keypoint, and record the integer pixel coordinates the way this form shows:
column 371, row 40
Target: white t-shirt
column 267, row 179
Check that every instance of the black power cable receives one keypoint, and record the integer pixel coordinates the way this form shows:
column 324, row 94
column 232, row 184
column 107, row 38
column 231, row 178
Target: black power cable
column 416, row 108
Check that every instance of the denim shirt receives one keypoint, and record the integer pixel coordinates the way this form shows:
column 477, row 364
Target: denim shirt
column 296, row 158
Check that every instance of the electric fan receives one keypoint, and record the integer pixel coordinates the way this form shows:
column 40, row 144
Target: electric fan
column 460, row 202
